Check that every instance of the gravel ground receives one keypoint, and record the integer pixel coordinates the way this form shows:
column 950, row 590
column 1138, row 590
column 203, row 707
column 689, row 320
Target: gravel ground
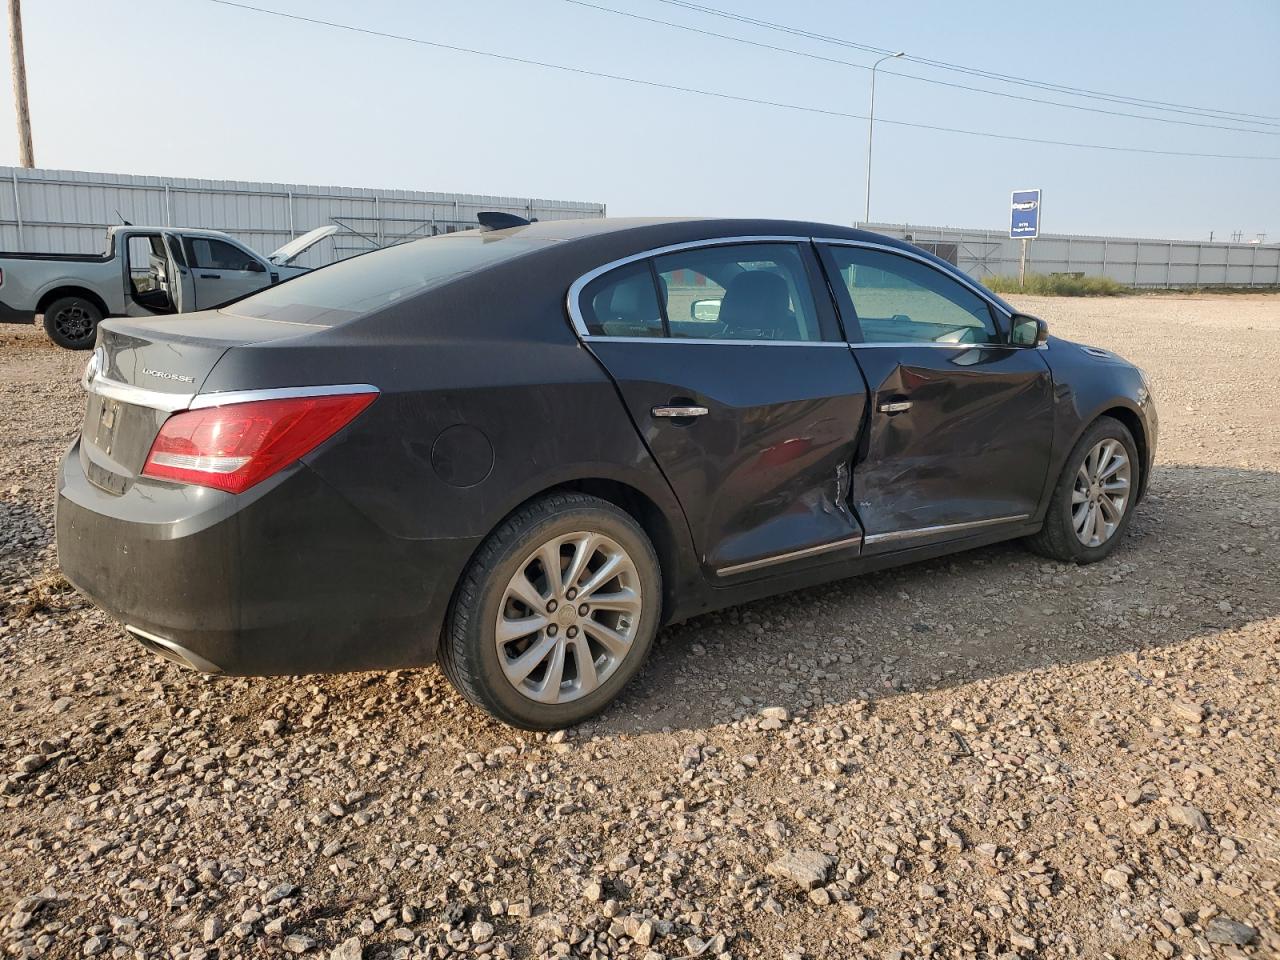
column 983, row 756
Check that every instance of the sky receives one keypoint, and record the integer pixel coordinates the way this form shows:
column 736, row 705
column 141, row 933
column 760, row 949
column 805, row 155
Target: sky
column 192, row 88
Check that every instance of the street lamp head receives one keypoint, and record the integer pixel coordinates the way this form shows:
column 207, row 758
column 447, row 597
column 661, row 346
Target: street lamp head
column 900, row 53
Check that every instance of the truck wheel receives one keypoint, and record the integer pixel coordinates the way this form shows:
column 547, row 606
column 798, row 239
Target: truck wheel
column 72, row 322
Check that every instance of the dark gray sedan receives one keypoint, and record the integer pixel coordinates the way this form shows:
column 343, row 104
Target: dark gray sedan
column 520, row 451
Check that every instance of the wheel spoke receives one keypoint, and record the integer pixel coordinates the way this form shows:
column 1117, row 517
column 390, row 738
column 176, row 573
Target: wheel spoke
column 1113, row 467
column 520, row 668
column 1099, row 532
column 549, row 690
column 549, row 556
column 526, row 592
column 608, row 570
column 1080, row 517
column 509, row 629
column 1078, row 495
column 624, row 601
column 1110, row 510
column 583, row 549
column 610, row 639
column 588, row 679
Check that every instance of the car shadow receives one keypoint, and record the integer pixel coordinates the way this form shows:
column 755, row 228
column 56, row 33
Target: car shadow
column 1199, row 558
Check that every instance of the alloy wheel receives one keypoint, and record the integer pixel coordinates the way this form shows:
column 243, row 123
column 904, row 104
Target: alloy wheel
column 568, row 617
column 74, row 322
column 1100, row 494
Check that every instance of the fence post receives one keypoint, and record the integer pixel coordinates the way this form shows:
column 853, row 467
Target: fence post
column 1104, row 256
column 1168, row 266
column 168, row 206
column 1199, row 258
column 292, row 232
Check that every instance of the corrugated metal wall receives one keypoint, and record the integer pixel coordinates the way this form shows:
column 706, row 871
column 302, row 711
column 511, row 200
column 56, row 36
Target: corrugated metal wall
column 1132, row 261
column 68, row 211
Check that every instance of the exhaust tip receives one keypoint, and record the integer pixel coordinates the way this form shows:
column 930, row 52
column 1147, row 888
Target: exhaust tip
column 172, row 651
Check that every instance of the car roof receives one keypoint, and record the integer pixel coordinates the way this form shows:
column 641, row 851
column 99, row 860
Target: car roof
column 678, row 228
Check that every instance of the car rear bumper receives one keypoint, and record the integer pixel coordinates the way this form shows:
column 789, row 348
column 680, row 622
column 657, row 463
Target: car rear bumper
column 287, row 579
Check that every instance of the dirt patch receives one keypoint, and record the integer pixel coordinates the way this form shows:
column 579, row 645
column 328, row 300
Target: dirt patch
column 985, row 755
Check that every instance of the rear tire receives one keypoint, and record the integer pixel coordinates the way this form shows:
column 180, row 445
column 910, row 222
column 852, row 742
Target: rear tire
column 72, row 322
column 1081, row 525
column 572, row 638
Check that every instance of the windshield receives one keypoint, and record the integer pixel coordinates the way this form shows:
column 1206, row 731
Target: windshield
column 379, row 279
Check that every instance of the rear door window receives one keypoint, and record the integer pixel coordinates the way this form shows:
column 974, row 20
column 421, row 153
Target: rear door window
column 749, row 291
column 624, row 303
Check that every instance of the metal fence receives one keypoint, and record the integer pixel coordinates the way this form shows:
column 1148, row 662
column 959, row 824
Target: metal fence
column 1131, row 261
column 68, row 211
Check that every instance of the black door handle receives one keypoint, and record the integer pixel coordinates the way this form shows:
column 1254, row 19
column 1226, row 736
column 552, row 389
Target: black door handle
column 210, row 276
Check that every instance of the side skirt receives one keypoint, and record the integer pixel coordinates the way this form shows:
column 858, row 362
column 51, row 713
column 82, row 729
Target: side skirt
column 717, row 598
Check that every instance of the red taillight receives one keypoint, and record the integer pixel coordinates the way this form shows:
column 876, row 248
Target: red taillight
column 240, row 444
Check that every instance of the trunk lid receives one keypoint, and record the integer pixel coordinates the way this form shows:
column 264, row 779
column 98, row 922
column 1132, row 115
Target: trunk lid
column 145, row 370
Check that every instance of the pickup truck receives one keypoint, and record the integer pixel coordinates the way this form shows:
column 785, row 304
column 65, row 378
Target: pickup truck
column 143, row 272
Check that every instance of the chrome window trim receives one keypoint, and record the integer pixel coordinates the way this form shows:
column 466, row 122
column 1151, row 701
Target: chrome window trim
column 203, row 401
column 576, row 288
column 958, row 276
column 790, row 555
column 580, row 325
column 132, row 394
column 596, row 338
column 915, row 532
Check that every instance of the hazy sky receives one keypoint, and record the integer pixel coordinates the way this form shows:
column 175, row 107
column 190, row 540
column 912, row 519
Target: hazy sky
column 192, row 88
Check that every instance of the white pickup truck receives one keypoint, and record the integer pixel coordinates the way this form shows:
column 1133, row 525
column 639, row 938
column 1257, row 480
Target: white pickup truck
column 144, row 271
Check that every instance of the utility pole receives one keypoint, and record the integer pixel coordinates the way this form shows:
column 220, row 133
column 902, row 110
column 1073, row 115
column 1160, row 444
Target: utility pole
column 871, row 127
column 26, row 153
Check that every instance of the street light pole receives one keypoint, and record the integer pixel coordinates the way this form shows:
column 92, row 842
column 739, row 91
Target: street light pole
column 871, row 127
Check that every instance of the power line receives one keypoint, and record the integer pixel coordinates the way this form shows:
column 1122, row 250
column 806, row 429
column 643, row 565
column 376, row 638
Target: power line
column 931, row 80
column 720, row 95
column 975, row 71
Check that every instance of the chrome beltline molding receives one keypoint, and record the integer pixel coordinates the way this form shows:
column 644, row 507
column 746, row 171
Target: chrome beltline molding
column 580, row 325
column 915, row 532
column 792, row 555
column 868, row 541
column 173, row 402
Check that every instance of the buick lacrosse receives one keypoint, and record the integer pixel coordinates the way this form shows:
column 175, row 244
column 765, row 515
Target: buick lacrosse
column 518, row 452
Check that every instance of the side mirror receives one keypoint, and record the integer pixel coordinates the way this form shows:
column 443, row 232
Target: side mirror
column 1028, row 331
column 705, row 310
column 253, row 266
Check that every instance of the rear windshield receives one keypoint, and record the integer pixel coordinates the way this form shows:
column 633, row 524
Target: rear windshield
column 375, row 280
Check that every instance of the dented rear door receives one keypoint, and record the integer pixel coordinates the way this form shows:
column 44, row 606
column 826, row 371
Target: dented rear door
column 757, row 438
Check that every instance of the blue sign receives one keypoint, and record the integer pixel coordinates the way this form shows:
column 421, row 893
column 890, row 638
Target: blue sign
column 1024, row 221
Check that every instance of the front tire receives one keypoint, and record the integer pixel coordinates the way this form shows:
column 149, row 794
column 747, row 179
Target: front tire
column 72, row 322
column 1093, row 499
column 555, row 613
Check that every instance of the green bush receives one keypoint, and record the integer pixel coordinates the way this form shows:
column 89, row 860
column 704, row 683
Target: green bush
column 1058, row 285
